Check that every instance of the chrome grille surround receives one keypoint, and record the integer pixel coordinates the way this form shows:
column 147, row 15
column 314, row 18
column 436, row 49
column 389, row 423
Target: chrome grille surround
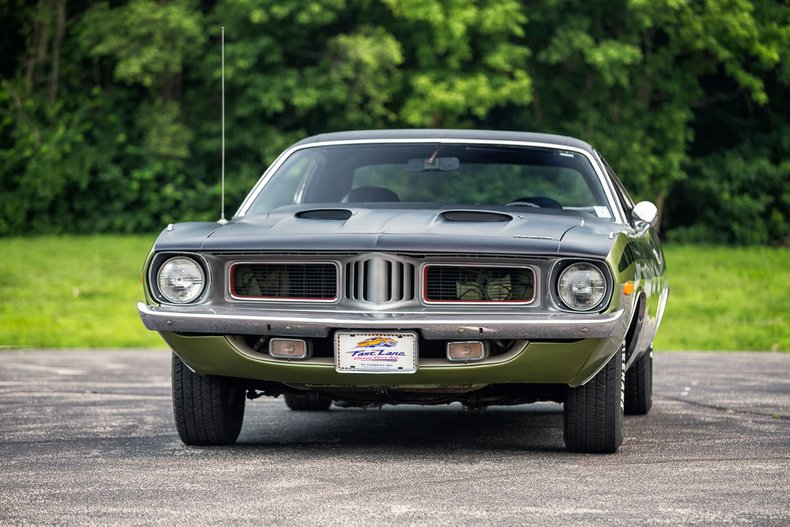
column 284, row 281
column 486, row 284
column 379, row 282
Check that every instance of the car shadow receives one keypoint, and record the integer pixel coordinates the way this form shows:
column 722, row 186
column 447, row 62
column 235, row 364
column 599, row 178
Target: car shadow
column 405, row 429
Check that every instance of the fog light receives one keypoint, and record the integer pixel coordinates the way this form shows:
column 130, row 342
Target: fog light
column 466, row 351
column 288, row 348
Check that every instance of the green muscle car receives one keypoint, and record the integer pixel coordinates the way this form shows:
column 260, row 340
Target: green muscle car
column 420, row 267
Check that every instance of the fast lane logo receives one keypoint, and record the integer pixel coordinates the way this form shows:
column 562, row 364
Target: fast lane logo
column 375, row 349
column 375, row 342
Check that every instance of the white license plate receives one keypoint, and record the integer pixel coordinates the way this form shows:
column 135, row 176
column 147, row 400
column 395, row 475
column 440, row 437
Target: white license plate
column 375, row 352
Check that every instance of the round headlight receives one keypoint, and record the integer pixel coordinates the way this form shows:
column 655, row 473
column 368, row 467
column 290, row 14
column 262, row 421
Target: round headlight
column 180, row 280
column 582, row 286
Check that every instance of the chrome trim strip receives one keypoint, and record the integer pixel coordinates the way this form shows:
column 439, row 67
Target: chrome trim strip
column 611, row 190
column 240, row 321
column 253, row 194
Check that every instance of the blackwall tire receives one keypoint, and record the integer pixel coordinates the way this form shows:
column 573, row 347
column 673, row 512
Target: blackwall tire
column 593, row 413
column 639, row 386
column 307, row 402
column 208, row 410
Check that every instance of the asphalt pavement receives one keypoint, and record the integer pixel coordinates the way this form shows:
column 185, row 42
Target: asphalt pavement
column 86, row 437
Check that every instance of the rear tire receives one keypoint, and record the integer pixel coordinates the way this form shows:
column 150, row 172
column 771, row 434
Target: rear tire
column 208, row 410
column 307, row 402
column 639, row 385
column 594, row 412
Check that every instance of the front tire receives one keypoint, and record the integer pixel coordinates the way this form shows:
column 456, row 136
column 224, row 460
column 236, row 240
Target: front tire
column 593, row 414
column 639, row 385
column 208, row 410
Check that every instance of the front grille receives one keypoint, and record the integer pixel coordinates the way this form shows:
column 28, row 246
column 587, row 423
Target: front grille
column 284, row 281
column 380, row 280
column 459, row 283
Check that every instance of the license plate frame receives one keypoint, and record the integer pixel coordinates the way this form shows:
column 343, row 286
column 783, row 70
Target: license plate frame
column 388, row 352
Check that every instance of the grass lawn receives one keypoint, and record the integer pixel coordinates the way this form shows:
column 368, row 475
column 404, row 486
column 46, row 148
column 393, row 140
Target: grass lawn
column 81, row 291
column 73, row 292
column 727, row 298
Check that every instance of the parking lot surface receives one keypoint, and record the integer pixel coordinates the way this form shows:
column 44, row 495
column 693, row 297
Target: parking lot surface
column 86, row 437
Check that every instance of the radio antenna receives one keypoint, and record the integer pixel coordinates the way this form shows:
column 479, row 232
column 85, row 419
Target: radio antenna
column 222, row 220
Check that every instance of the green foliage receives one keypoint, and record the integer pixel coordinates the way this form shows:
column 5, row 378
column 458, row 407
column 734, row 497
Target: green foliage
column 148, row 41
column 628, row 76
column 49, row 156
column 737, row 196
column 110, row 116
column 465, row 59
column 360, row 75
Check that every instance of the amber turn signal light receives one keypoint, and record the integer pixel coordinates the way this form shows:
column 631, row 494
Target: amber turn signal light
column 288, row 348
column 466, row 351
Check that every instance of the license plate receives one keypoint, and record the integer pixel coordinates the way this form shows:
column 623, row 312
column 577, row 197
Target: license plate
column 375, row 352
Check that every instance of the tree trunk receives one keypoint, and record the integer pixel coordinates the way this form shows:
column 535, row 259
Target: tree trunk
column 60, row 29
column 39, row 43
column 660, row 200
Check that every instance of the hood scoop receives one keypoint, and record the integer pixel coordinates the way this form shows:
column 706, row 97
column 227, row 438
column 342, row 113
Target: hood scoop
column 324, row 214
column 475, row 216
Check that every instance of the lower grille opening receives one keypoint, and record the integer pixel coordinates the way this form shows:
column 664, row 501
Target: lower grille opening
column 428, row 349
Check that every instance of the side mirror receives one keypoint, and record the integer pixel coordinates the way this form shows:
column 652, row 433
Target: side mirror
column 645, row 212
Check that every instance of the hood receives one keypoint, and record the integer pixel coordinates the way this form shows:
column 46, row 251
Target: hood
column 361, row 229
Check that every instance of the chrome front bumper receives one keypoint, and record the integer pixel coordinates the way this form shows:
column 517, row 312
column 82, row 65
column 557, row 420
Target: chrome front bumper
column 236, row 321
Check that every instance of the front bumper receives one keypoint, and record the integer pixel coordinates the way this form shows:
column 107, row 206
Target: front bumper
column 239, row 321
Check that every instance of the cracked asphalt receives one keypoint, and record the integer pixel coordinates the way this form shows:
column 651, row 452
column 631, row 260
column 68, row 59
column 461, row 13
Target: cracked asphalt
column 86, row 437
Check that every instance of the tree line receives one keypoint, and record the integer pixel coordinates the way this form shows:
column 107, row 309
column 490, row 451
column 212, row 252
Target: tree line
column 110, row 110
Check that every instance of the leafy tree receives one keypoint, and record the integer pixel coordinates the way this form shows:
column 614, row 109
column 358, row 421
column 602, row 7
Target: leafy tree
column 148, row 43
column 110, row 115
column 629, row 76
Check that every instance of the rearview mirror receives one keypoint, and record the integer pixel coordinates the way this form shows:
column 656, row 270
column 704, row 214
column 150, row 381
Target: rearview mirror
column 434, row 164
column 645, row 212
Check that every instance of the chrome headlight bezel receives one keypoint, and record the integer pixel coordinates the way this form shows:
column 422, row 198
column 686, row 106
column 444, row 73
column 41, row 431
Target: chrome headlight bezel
column 160, row 289
column 562, row 300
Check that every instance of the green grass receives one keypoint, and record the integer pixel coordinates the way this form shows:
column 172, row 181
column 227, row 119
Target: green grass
column 727, row 298
column 81, row 291
column 73, row 292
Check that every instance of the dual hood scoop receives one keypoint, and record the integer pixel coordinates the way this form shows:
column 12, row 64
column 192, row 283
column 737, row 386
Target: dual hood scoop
column 475, row 216
column 464, row 216
column 324, row 214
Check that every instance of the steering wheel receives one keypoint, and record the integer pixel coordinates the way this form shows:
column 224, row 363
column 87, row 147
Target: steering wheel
column 535, row 201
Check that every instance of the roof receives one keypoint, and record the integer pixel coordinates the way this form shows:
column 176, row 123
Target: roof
column 436, row 133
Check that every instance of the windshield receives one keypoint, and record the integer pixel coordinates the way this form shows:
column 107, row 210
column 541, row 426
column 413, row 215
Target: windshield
column 434, row 175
